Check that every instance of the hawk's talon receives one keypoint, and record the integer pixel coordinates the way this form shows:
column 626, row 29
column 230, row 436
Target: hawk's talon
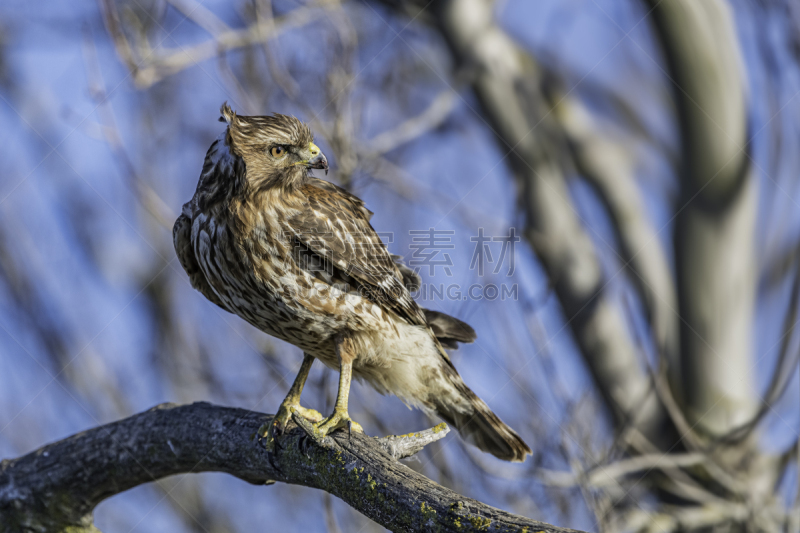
column 339, row 419
column 262, row 432
column 268, row 432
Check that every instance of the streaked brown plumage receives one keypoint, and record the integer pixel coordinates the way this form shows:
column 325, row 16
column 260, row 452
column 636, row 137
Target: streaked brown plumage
column 296, row 257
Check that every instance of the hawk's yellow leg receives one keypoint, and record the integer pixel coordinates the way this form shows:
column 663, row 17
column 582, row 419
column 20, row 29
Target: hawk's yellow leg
column 290, row 404
column 340, row 418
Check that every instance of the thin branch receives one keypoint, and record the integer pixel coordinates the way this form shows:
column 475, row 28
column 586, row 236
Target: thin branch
column 433, row 116
column 200, row 15
column 155, row 66
column 606, row 475
column 147, row 197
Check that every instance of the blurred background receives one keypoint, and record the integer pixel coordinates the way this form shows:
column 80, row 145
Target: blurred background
column 644, row 153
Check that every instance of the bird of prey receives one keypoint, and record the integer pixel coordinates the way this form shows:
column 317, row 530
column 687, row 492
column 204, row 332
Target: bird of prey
column 297, row 257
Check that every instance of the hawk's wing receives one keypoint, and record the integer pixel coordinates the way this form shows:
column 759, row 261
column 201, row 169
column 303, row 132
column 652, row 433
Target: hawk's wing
column 219, row 167
column 335, row 225
column 182, row 240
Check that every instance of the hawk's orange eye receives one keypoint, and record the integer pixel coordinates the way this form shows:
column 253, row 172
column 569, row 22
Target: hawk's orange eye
column 278, row 151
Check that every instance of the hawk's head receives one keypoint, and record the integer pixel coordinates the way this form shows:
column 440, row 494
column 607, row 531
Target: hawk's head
column 277, row 149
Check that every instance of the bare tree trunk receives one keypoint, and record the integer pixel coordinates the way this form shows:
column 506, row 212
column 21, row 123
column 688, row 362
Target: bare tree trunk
column 716, row 217
column 55, row 488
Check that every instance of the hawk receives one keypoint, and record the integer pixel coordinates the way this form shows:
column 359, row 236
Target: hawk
column 297, row 257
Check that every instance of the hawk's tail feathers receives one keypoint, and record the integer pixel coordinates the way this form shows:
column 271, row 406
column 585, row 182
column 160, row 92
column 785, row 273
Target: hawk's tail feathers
column 478, row 425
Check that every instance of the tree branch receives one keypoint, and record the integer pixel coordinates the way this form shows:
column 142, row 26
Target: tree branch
column 56, row 488
column 433, row 116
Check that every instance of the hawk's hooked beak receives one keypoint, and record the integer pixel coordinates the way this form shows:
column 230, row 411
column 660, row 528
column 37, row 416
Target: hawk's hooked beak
column 318, row 159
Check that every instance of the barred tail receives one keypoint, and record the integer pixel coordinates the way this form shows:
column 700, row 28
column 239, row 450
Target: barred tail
column 457, row 405
column 478, row 425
